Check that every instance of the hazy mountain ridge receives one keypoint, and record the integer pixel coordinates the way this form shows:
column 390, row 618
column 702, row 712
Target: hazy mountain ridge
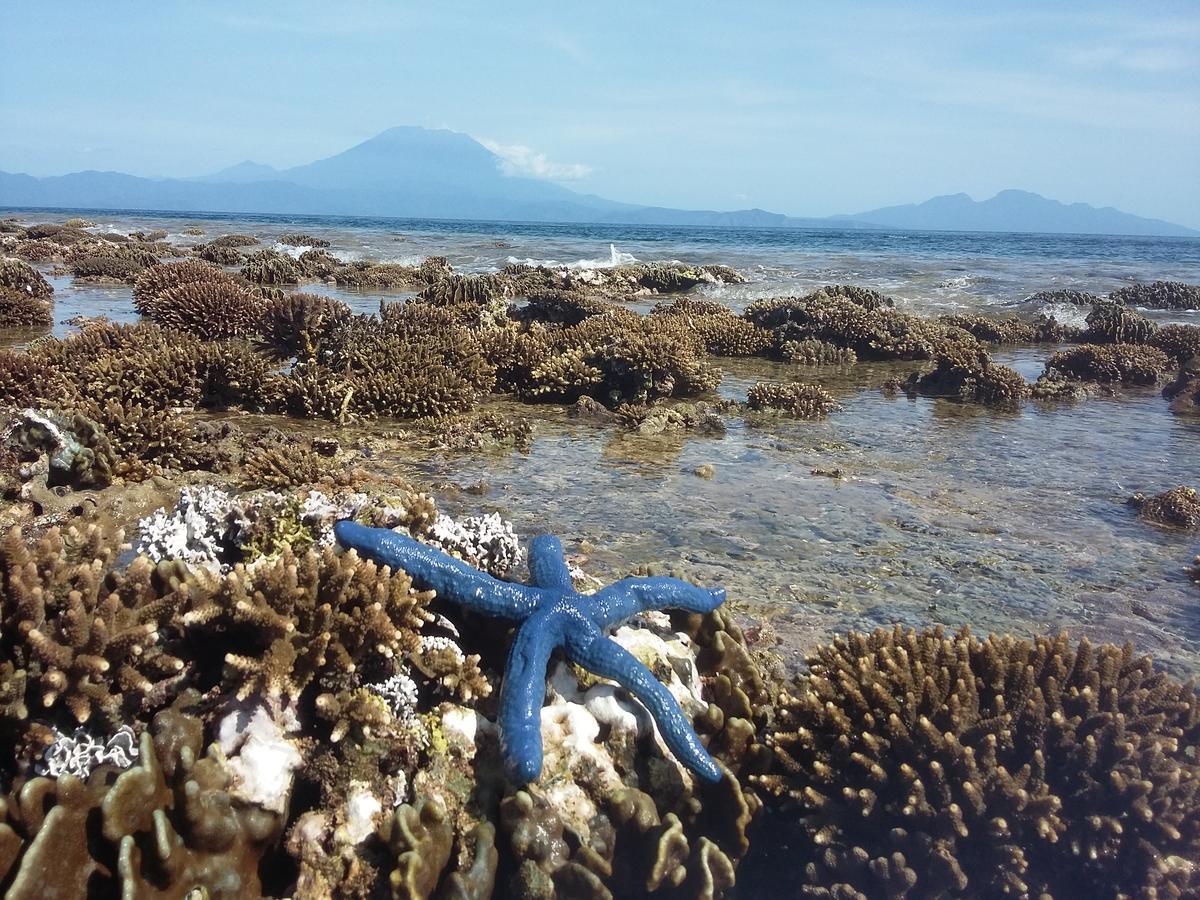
column 421, row 173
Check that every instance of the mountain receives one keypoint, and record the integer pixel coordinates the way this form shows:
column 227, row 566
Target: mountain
column 1017, row 211
column 410, row 172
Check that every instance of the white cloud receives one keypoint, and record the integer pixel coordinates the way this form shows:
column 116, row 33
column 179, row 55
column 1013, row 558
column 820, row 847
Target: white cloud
column 517, row 159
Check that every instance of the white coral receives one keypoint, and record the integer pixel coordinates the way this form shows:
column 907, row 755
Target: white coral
column 197, row 531
column 77, row 754
column 400, row 694
column 486, row 542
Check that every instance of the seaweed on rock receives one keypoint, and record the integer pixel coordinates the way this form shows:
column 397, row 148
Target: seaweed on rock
column 1107, row 363
column 922, row 764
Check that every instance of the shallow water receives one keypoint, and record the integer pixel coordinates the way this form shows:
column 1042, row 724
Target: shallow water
column 947, row 513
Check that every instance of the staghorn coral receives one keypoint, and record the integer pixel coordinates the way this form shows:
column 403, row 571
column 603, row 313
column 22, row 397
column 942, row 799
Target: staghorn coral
column 804, row 401
column 1180, row 342
column 867, row 298
column 299, row 239
column 164, row 276
column 1159, row 295
column 969, row 374
column 1178, row 507
column 271, row 267
column 920, row 764
column 290, row 466
column 38, row 251
column 1105, row 363
column 211, row 310
column 20, row 276
column 1112, row 323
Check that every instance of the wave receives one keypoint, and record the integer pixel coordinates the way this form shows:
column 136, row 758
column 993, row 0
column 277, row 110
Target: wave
column 615, row 258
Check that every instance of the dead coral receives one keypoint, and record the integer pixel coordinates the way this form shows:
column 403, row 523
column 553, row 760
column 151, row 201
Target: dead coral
column 20, row 276
column 271, row 267
column 481, row 431
column 1112, row 323
column 1159, row 295
column 804, row 401
column 811, row 352
column 1178, row 507
column 1125, row 363
column 19, row 308
column 919, row 764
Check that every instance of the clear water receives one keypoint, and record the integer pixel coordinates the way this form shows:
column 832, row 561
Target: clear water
column 947, row 513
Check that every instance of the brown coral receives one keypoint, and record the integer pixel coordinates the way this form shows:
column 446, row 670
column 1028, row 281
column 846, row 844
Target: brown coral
column 1178, row 507
column 1112, row 323
column 1180, row 342
column 164, row 276
column 300, row 239
column 18, row 308
column 211, row 310
column 1160, row 295
column 919, row 764
column 271, row 267
column 1105, row 363
column 969, row 374
column 20, row 276
column 804, row 401
column 295, row 324
column 1010, row 330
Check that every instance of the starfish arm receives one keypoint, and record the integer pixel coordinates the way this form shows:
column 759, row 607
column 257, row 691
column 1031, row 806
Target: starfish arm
column 521, row 698
column 547, row 567
column 608, row 659
column 630, row 596
column 432, row 569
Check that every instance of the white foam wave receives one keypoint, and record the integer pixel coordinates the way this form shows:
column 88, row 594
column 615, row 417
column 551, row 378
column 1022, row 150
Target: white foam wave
column 615, row 258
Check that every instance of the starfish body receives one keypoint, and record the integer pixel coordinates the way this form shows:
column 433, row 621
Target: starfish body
column 552, row 615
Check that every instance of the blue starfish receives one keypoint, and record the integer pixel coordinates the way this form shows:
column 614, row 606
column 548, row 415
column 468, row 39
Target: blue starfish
column 552, row 615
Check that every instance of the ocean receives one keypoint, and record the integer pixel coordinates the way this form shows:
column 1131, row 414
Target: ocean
column 943, row 513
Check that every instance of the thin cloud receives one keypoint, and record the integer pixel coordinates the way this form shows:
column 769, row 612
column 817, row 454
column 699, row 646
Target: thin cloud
column 517, row 159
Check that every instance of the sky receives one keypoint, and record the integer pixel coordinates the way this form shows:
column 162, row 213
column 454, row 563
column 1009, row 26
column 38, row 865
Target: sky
column 804, row 109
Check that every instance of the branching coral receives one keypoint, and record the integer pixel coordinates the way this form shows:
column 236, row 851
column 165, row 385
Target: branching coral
column 1180, row 342
column 20, row 276
column 968, row 373
column 804, row 401
column 923, row 764
column 1125, row 363
column 1160, row 295
column 1178, row 507
column 25, row 378
column 18, row 308
column 209, row 309
column 271, row 267
column 164, row 276
column 1112, row 323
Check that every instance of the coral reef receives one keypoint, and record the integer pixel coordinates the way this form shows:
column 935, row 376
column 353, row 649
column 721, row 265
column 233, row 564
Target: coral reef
column 1105, row 363
column 969, row 374
column 1112, row 323
column 20, row 276
column 1180, row 342
column 271, row 267
column 1070, row 296
column 552, row 616
column 919, row 764
column 1010, row 330
column 19, row 308
column 480, row 431
column 1178, row 507
column 803, row 401
column 1159, row 295
column 294, row 325
column 299, row 239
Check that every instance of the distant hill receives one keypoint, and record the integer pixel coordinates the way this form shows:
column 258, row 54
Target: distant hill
column 1017, row 211
column 438, row 174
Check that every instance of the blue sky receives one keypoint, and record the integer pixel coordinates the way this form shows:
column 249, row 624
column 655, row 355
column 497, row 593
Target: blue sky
column 797, row 108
